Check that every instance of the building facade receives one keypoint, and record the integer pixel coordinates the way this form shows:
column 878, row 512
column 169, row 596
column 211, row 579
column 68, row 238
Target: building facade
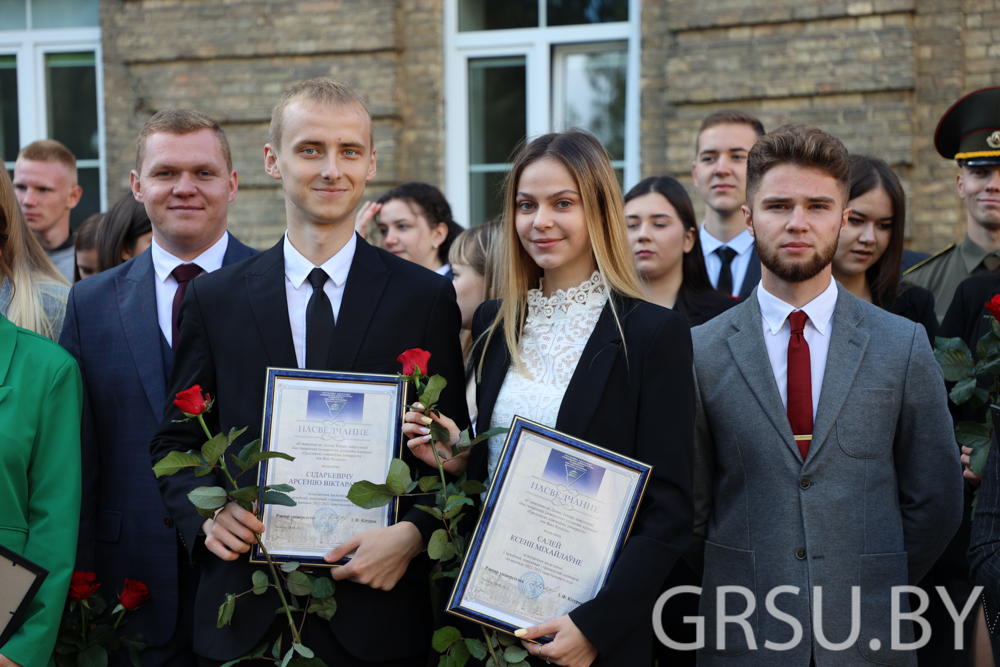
column 453, row 85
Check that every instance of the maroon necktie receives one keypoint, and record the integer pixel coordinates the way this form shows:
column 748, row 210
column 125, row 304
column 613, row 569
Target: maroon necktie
column 184, row 274
column 800, row 403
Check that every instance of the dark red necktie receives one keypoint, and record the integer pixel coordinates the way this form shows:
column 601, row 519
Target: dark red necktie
column 184, row 274
column 800, row 402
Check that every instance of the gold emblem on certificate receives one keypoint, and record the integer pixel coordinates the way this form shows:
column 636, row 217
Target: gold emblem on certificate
column 556, row 517
column 340, row 428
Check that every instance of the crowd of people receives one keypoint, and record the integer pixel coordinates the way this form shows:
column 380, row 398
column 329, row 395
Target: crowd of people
column 772, row 362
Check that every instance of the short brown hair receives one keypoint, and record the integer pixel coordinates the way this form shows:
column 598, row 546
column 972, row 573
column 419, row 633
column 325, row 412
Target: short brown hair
column 323, row 91
column 803, row 146
column 729, row 117
column 180, row 121
column 49, row 150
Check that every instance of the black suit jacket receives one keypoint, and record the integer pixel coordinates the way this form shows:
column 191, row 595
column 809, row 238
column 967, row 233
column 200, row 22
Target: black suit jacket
column 125, row 531
column 753, row 275
column 634, row 395
column 234, row 323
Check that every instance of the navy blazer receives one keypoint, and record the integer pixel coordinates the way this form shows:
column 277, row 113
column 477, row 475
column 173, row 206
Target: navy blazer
column 125, row 531
column 632, row 392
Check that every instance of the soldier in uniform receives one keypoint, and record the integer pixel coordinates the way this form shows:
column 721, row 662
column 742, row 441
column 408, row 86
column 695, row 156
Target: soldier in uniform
column 969, row 132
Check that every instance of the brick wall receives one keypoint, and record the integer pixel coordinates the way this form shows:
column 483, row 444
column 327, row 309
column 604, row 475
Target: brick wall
column 877, row 74
column 232, row 59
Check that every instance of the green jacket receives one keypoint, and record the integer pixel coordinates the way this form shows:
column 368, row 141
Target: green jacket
column 41, row 399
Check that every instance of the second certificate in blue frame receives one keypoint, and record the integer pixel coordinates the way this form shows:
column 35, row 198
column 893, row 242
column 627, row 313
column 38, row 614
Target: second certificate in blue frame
column 340, row 428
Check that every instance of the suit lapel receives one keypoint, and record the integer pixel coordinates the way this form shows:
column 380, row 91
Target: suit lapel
column 586, row 387
column 365, row 284
column 752, row 277
column 235, row 251
column 136, row 302
column 495, row 366
column 750, row 354
column 847, row 349
column 266, row 291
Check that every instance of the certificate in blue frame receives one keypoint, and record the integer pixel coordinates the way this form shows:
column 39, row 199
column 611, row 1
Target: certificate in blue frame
column 342, row 428
column 555, row 520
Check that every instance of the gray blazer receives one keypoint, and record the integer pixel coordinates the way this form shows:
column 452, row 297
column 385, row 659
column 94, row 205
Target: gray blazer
column 873, row 505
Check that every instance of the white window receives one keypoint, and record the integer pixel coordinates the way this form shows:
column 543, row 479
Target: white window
column 51, row 87
column 526, row 67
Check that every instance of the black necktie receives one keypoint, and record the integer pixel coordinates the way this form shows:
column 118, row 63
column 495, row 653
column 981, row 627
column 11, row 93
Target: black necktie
column 726, row 254
column 183, row 274
column 319, row 322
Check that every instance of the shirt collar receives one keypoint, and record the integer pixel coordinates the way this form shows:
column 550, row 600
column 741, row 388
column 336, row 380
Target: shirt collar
column 297, row 267
column 819, row 310
column 164, row 262
column 443, row 269
column 972, row 254
column 740, row 243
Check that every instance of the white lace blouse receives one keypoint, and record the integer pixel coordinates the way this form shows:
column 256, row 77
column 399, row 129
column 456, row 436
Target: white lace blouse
column 556, row 330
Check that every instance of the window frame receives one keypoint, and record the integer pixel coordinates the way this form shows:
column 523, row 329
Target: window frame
column 537, row 46
column 30, row 47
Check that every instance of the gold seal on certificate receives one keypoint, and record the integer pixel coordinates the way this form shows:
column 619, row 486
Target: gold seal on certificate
column 557, row 515
column 340, row 428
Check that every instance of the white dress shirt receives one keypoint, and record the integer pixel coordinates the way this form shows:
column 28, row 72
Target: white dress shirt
column 777, row 331
column 166, row 285
column 298, row 290
column 742, row 243
column 443, row 269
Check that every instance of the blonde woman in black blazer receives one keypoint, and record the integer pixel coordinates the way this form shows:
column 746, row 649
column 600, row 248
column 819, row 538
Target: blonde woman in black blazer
column 572, row 343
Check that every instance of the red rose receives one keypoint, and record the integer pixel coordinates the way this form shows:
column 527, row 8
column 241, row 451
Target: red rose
column 192, row 402
column 133, row 594
column 413, row 358
column 82, row 586
column 993, row 305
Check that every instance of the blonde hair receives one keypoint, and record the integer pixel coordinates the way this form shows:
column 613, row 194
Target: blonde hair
column 180, row 122
column 516, row 273
column 323, row 91
column 32, row 274
column 50, row 150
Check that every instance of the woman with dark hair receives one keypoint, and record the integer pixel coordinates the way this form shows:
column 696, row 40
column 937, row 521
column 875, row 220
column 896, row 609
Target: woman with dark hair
column 125, row 232
column 870, row 250
column 415, row 222
column 664, row 238
column 85, row 247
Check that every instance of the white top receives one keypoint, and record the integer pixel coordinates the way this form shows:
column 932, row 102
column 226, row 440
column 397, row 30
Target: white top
column 166, row 285
column 777, row 331
column 742, row 243
column 443, row 269
column 298, row 290
column 556, row 330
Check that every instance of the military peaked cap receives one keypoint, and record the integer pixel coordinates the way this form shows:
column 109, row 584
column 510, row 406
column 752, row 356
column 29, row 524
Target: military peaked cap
column 970, row 130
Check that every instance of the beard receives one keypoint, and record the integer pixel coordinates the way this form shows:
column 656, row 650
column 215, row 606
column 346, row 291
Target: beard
column 795, row 272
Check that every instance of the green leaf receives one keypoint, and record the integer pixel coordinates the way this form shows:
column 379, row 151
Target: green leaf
column 432, row 392
column 288, row 657
column 247, row 494
column 433, row 511
column 262, row 456
column 476, row 648
column 439, row 433
column 234, row 434
column 298, row 583
column 507, row 640
column 446, row 661
column 92, row 656
column 101, row 634
column 977, row 460
column 174, row 462
column 325, row 608
column 322, row 587
column 226, row 610
column 490, row 433
column 427, row 483
column 208, row 514
column 954, row 357
column 435, row 545
column 454, row 521
column 260, row 582
column 368, row 495
column 398, row 479
column 249, row 450
column 276, row 498
column 307, row 662
column 458, row 500
column 289, row 567
column 962, row 391
column 208, row 497
column 972, row 434
column 242, row 466
column 304, row 651
column 459, row 653
column 515, row 653
column 448, row 553
column 276, row 649
column 284, row 488
column 214, row 448
column 473, row 487
column 444, row 638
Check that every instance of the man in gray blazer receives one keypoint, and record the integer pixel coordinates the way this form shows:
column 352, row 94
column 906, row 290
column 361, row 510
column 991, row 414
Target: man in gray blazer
column 804, row 530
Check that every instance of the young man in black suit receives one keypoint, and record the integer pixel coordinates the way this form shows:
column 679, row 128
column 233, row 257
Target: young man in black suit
column 237, row 322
